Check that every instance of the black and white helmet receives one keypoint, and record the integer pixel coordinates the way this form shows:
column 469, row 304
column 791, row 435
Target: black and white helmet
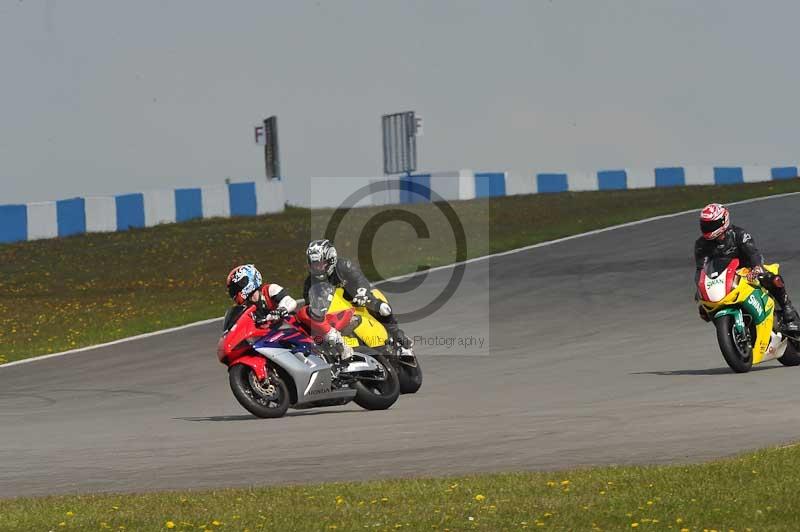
column 321, row 257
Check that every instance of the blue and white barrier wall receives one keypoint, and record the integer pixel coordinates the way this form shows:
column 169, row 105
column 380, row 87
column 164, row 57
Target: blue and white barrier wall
column 466, row 184
column 75, row 216
column 460, row 185
column 668, row 176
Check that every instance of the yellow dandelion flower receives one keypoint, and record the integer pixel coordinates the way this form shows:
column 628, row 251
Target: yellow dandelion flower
column 169, row 524
column 480, row 498
column 550, row 483
column 565, row 482
column 215, row 522
column 634, row 525
column 70, row 513
column 384, row 499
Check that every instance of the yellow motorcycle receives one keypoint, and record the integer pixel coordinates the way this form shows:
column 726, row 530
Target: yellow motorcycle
column 365, row 330
column 744, row 315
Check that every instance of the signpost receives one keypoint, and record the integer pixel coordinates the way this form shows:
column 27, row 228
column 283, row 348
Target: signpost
column 267, row 135
column 400, row 131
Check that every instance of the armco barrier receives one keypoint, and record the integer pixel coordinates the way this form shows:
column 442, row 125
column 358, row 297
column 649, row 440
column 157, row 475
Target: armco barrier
column 123, row 212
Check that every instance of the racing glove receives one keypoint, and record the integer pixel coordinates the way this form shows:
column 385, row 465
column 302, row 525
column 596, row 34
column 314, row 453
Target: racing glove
column 361, row 298
column 271, row 315
column 754, row 273
column 334, row 339
column 277, row 314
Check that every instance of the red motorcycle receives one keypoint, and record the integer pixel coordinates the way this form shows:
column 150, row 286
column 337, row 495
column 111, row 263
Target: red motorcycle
column 276, row 365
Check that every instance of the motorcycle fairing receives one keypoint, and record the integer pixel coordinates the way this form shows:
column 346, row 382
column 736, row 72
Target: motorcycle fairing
column 285, row 335
column 257, row 364
column 754, row 301
column 370, row 331
column 311, row 374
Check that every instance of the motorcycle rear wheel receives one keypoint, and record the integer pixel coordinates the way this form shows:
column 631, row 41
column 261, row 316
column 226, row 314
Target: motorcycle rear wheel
column 791, row 357
column 252, row 394
column 378, row 395
column 733, row 351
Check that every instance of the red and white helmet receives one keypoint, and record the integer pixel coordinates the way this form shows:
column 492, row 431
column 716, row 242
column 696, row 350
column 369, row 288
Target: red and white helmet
column 714, row 221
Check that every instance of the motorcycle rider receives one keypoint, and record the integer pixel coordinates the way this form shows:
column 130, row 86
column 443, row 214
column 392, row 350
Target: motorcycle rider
column 272, row 301
column 721, row 239
column 325, row 265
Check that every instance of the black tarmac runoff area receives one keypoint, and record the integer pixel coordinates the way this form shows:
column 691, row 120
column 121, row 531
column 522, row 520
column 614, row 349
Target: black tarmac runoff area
column 583, row 352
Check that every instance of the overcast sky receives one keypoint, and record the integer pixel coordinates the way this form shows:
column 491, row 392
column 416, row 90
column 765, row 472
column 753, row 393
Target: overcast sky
column 110, row 96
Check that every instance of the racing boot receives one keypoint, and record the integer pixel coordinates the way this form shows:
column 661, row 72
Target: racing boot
column 398, row 337
column 791, row 321
column 790, row 324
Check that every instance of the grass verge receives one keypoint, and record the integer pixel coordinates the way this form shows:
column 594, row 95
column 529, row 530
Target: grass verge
column 61, row 294
column 756, row 491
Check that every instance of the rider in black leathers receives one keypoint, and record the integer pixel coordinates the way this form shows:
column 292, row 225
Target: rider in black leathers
column 325, row 265
column 723, row 240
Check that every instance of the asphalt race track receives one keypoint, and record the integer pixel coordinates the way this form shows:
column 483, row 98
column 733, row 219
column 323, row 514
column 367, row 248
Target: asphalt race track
column 595, row 355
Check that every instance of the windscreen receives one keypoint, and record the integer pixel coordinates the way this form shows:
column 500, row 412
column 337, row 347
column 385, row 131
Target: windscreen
column 716, row 265
column 320, row 296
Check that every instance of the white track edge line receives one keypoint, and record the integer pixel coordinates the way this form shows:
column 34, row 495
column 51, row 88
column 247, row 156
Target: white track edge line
column 408, row 275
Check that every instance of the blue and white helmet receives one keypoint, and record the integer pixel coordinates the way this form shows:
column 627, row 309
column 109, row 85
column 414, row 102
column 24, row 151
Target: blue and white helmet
column 242, row 282
column 321, row 257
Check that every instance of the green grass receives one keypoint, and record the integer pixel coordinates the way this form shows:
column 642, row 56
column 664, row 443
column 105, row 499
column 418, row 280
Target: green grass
column 66, row 293
column 756, row 491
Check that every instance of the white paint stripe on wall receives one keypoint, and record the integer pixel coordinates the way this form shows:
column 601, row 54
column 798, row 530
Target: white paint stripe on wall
column 216, row 201
column 641, row 177
column 159, row 207
column 269, row 196
column 699, row 175
column 333, row 192
column 42, row 220
column 754, row 174
column 446, row 184
column 466, row 184
column 520, row 184
column 379, row 195
column 101, row 214
column 577, row 180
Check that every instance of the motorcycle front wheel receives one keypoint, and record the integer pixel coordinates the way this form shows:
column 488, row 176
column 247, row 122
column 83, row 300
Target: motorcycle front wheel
column 733, row 345
column 266, row 399
column 378, row 395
